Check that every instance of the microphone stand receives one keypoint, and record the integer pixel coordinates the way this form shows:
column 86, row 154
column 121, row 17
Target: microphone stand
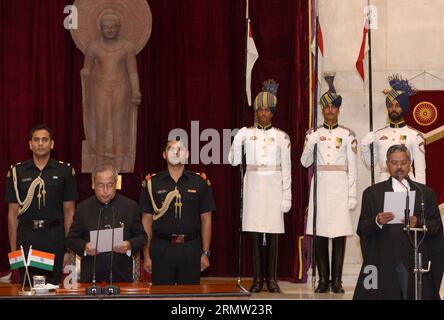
column 111, row 289
column 418, row 269
column 94, row 289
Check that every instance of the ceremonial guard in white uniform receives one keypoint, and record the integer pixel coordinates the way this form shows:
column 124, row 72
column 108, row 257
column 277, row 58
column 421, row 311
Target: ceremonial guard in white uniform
column 267, row 185
column 336, row 190
column 397, row 132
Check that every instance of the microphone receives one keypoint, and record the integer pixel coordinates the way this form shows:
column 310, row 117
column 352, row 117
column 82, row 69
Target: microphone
column 112, row 289
column 419, row 187
column 94, row 289
column 407, row 203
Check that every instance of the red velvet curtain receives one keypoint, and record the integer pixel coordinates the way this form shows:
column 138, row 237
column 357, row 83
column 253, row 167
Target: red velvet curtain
column 191, row 69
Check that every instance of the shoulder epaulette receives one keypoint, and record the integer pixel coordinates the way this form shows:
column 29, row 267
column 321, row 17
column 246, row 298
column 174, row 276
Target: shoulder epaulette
column 382, row 129
column 417, row 131
column 286, row 136
column 204, row 177
column 309, row 131
column 68, row 165
column 147, row 178
column 65, row 163
column 413, row 129
column 349, row 130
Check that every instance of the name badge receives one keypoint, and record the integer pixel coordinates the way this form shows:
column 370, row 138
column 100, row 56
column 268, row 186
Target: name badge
column 162, row 191
column 55, row 177
column 192, row 190
column 26, row 179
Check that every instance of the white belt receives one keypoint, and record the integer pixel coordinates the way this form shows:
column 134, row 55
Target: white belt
column 255, row 167
column 332, row 168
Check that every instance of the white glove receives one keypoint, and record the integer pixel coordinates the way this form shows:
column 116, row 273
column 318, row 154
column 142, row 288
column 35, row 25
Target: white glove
column 352, row 202
column 285, row 206
column 313, row 138
column 369, row 139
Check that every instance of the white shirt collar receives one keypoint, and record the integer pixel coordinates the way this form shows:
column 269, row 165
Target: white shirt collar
column 397, row 186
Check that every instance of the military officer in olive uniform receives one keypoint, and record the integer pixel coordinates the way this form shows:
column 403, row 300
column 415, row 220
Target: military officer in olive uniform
column 41, row 194
column 267, row 186
column 177, row 205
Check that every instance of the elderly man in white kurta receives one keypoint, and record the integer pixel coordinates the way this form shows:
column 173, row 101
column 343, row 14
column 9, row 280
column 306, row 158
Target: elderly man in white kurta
column 397, row 132
column 267, row 185
column 336, row 190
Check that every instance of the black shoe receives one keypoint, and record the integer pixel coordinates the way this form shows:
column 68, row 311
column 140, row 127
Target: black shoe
column 257, row 286
column 336, row 287
column 272, row 286
column 323, row 287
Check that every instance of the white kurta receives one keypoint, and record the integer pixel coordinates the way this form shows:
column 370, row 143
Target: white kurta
column 388, row 136
column 337, row 175
column 267, row 181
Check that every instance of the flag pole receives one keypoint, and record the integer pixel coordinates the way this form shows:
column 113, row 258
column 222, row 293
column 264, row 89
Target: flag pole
column 315, row 150
column 241, row 166
column 370, row 92
column 26, row 271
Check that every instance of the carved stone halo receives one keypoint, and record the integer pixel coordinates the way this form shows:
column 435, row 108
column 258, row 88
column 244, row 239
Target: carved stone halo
column 135, row 17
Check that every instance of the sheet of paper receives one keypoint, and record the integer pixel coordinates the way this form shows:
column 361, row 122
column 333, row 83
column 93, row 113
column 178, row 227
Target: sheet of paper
column 396, row 201
column 105, row 239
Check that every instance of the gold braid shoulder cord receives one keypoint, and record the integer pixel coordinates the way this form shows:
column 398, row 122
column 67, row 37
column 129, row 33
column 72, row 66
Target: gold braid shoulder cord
column 159, row 212
column 38, row 182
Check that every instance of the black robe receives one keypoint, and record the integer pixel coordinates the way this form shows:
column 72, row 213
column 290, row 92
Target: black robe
column 86, row 219
column 385, row 248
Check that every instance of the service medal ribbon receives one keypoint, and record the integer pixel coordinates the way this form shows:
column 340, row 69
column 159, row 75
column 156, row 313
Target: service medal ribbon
column 403, row 139
column 338, row 143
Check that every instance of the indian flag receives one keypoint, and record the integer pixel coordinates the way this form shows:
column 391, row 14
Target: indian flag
column 16, row 259
column 41, row 260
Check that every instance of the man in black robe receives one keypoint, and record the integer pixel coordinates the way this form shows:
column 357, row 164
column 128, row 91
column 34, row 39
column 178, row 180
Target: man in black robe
column 106, row 210
column 388, row 254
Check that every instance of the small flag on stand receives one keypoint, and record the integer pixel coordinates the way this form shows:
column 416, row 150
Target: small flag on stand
column 16, row 259
column 41, row 259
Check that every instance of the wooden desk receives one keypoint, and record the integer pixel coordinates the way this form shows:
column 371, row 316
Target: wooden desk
column 135, row 290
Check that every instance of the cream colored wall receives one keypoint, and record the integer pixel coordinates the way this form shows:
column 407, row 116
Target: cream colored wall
column 409, row 40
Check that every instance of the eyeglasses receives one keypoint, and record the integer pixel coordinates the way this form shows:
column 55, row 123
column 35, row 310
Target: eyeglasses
column 399, row 163
column 108, row 186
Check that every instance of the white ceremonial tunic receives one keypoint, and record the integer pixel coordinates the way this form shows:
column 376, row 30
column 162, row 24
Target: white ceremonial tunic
column 337, row 175
column 267, row 179
column 388, row 136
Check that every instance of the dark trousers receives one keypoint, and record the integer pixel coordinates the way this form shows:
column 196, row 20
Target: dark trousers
column 50, row 240
column 175, row 263
column 337, row 261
